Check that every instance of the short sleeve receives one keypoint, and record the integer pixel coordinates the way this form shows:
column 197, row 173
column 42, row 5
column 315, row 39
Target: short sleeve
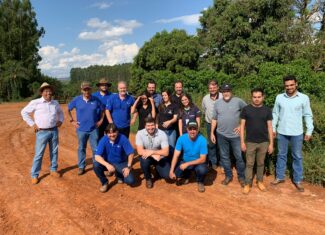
column 100, row 150
column 179, row 145
column 242, row 104
column 138, row 139
column 269, row 116
column 109, row 104
column 72, row 104
column 243, row 114
column 197, row 112
column 164, row 140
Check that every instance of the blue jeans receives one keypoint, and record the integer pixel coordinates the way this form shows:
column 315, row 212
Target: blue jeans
column 200, row 170
column 42, row 138
column 296, row 152
column 162, row 167
column 224, row 144
column 82, row 144
column 212, row 148
column 99, row 171
column 171, row 135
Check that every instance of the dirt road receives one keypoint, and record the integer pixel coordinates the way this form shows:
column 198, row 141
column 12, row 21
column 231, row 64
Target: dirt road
column 72, row 204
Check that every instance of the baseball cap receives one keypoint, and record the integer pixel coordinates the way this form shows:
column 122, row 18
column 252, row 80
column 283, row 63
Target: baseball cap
column 192, row 124
column 226, row 87
column 85, row 85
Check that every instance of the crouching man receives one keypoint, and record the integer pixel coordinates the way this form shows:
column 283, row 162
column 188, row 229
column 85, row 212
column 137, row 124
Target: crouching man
column 152, row 146
column 194, row 147
column 115, row 154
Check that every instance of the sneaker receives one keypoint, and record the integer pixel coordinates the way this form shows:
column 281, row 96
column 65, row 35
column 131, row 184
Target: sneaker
column 214, row 167
column 300, row 187
column 277, row 181
column 246, row 189
column 226, row 181
column 55, row 174
column 81, row 171
column 104, row 188
column 35, row 180
column 149, row 183
column 200, row 187
column 261, row 186
column 222, row 170
column 241, row 182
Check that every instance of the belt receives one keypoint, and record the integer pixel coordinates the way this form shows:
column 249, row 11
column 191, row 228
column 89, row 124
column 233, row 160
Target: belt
column 47, row 129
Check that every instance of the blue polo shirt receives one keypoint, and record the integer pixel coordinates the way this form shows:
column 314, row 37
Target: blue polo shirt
column 88, row 113
column 102, row 98
column 116, row 152
column 192, row 149
column 157, row 98
column 120, row 110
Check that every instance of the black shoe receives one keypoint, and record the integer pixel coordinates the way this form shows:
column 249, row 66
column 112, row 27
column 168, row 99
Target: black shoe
column 241, row 182
column 180, row 182
column 299, row 187
column 81, row 171
column 277, row 181
column 149, row 183
column 226, row 181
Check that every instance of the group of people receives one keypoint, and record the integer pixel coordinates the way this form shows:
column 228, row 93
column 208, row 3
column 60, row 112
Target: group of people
column 168, row 137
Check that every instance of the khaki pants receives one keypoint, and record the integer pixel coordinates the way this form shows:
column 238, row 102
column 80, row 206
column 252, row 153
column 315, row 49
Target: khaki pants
column 255, row 151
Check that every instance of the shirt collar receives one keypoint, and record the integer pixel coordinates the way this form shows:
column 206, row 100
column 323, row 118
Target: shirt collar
column 44, row 101
column 154, row 134
column 297, row 94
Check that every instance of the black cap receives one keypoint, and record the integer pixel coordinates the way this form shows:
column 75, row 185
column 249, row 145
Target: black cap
column 226, row 87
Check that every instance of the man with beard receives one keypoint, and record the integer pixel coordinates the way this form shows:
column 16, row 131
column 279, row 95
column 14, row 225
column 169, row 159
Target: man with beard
column 226, row 119
column 151, row 89
column 152, row 146
column 290, row 108
column 103, row 94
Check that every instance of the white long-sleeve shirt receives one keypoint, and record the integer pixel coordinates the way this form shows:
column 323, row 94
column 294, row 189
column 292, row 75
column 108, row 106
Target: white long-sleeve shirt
column 46, row 113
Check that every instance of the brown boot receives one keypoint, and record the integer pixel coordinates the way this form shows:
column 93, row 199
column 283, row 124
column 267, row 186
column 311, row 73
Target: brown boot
column 246, row 189
column 261, row 186
column 35, row 180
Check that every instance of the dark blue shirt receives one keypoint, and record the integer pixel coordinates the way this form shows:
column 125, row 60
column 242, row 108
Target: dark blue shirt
column 88, row 113
column 116, row 152
column 120, row 110
column 189, row 116
column 102, row 98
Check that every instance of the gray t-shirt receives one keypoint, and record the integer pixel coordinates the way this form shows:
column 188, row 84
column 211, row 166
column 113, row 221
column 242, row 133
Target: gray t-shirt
column 157, row 141
column 227, row 115
column 208, row 106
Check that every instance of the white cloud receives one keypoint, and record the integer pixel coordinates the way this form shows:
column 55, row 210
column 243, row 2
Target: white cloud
column 102, row 5
column 187, row 19
column 104, row 30
column 58, row 63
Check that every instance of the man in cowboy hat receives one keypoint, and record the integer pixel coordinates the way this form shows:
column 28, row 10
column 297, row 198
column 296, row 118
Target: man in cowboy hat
column 48, row 116
column 103, row 94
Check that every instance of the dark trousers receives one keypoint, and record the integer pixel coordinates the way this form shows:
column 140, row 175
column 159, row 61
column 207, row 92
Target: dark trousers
column 99, row 170
column 101, row 129
column 201, row 170
column 162, row 167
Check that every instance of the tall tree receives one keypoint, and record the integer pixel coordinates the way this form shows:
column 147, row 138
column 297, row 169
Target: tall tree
column 19, row 44
column 239, row 35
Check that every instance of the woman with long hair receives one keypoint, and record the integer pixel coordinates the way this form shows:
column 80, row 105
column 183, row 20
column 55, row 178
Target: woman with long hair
column 188, row 112
column 143, row 107
column 167, row 118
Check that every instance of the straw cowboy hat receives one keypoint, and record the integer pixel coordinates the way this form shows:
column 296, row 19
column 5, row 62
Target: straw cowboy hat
column 45, row 85
column 103, row 81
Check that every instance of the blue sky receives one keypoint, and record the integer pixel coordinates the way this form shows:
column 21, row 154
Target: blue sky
column 80, row 33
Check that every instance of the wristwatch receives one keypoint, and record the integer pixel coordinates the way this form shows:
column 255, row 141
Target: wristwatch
column 129, row 167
